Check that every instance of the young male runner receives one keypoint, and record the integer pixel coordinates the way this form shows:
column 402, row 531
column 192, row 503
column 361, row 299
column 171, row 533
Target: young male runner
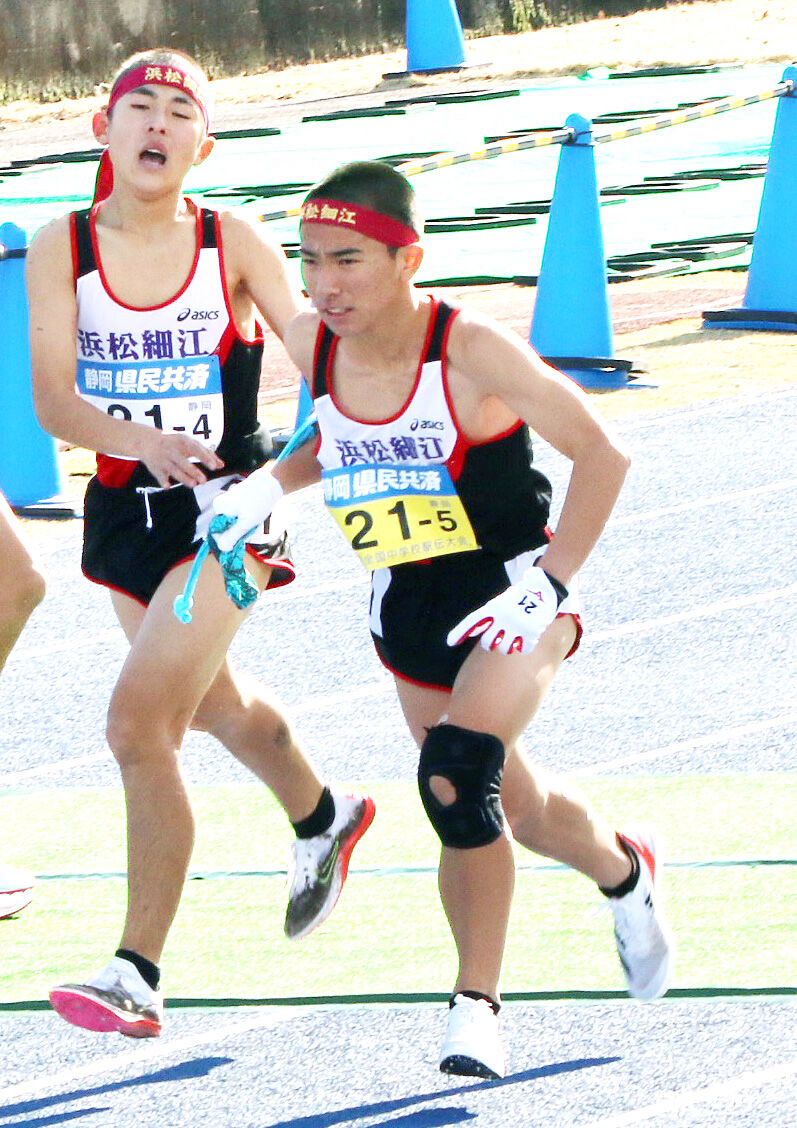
column 423, row 415
column 156, row 300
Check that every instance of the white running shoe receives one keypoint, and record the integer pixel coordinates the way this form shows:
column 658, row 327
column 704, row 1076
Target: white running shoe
column 116, row 998
column 644, row 941
column 320, row 864
column 16, row 890
column 472, row 1045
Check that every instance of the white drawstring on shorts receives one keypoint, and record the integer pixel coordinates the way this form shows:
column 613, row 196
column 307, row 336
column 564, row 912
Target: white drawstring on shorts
column 145, row 491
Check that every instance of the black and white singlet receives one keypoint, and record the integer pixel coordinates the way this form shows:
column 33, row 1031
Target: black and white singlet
column 437, row 518
column 180, row 366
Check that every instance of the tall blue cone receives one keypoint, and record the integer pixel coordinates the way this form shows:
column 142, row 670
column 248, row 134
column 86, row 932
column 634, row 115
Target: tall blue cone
column 770, row 300
column 29, row 470
column 572, row 327
column 434, row 36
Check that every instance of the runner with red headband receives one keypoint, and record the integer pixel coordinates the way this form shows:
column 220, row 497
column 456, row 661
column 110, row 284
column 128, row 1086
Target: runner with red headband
column 147, row 348
column 424, row 415
column 180, row 73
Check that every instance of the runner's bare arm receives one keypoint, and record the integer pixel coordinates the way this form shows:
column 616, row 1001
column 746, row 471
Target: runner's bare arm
column 301, row 468
column 61, row 411
column 256, row 265
column 494, row 362
column 252, row 501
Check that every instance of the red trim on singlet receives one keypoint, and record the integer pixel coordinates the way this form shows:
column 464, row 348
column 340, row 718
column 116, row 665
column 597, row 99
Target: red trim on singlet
column 456, row 460
column 463, row 444
column 95, row 246
column 73, row 248
column 331, row 361
column 223, row 347
column 113, row 471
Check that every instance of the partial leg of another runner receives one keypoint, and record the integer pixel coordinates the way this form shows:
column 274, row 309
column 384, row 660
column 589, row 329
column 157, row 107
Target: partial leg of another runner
column 177, row 675
column 22, row 589
column 22, row 585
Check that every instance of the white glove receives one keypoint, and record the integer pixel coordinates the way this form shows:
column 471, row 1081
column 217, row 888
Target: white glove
column 513, row 621
column 250, row 502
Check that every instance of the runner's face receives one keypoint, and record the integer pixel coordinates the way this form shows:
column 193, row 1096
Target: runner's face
column 351, row 279
column 155, row 134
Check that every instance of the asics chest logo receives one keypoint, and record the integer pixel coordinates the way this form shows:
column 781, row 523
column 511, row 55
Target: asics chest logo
column 198, row 315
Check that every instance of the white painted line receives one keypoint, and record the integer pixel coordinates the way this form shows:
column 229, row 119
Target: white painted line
column 719, row 736
column 115, row 635
column 150, row 1052
column 385, row 686
column 704, row 502
column 713, row 407
column 379, row 688
column 297, row 591
column 720, row 1091
column 707, row 611
column 69, row 645
column 54, row 766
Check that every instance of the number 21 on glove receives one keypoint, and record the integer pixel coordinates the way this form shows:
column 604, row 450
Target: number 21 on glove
column 513, row 621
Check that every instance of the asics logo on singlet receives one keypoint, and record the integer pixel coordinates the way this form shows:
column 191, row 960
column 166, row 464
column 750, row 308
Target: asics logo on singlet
column 197, row 314
column 426, row 425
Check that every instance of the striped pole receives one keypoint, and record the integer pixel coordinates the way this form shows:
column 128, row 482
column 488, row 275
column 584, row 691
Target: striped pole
column 446, row 160
column 704, row 110
column 567, row 137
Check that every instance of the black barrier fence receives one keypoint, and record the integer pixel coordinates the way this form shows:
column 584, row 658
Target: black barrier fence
column 55, row 48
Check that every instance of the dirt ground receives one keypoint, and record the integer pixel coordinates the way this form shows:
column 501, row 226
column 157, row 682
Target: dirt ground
column 657, row 322
column 680, row 34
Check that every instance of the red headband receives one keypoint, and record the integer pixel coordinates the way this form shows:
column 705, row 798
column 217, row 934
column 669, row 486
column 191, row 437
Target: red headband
column 160, row 74
column 368, row 222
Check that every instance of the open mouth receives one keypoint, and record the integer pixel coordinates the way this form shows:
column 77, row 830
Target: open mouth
column 153, row 156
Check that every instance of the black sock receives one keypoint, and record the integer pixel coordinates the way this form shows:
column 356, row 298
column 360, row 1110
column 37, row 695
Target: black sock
column 476, row 995
column 320, row 820
column 633, row 877
column 149, row 972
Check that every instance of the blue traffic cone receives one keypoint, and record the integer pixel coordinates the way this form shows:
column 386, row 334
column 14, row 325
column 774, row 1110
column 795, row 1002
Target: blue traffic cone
column 434, row 36
column 770, row 300
column 29, row 470
column 571, row 327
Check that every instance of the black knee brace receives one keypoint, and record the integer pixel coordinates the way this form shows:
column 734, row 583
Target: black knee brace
column 473, row 764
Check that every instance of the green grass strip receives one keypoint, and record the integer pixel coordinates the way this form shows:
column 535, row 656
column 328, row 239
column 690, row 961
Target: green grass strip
column 407, row 998
column 388, row 936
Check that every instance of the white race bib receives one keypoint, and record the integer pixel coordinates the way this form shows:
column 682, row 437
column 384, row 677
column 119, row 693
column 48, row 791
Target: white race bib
column 181, row 396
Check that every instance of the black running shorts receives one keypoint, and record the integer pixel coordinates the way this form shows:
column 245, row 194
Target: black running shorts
column 414, row 606
column 132, row 539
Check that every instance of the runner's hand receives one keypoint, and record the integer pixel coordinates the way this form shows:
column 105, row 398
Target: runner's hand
column 250, row 502
column 174, row 458
column 513, row 621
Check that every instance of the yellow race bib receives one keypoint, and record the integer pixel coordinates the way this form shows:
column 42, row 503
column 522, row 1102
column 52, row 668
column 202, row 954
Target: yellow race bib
column 391, row 514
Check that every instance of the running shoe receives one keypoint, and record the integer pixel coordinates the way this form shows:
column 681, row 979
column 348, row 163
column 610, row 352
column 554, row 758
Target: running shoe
column 644, row 941
column 319, row 865
column 116, row 998
column 16, row 890
column 472, row 1045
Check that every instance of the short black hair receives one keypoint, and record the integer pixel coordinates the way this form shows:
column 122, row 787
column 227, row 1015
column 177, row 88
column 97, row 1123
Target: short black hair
column 375, row 185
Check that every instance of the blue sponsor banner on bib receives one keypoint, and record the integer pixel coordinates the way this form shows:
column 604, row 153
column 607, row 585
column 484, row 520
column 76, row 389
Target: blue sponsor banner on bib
column 150, row 379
